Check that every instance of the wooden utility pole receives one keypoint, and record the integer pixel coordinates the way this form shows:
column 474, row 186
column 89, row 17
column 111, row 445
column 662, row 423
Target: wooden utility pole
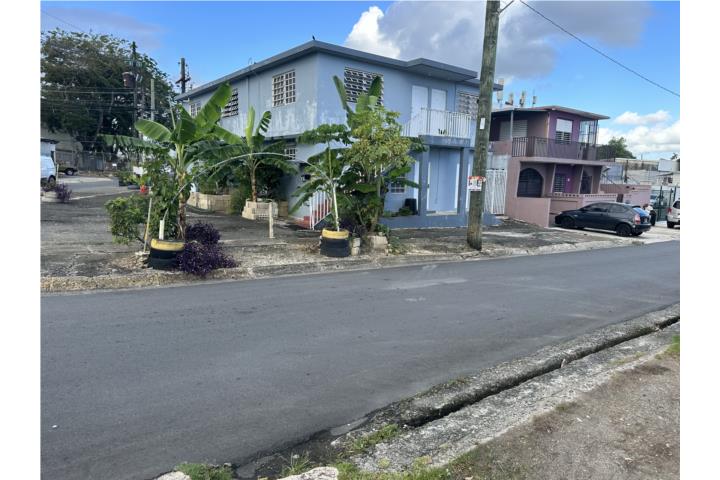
column 134, row 80
column 152, row 98
column 482, row 128
column 183, row 76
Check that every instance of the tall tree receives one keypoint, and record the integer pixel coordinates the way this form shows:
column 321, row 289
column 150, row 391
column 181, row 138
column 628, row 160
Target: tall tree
column 619, row 147
column 83, row 92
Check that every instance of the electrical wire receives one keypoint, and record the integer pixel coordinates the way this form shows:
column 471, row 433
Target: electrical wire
column 602, row 53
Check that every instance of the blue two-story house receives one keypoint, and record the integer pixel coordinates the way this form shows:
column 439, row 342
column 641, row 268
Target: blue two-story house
column 436, row 101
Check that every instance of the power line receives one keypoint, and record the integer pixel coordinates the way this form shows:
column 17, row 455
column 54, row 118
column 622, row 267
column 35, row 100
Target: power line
column 602, row 53
column 64, row 21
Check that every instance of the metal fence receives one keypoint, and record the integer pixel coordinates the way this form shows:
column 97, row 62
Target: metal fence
column 84, row 160
column 496, row 186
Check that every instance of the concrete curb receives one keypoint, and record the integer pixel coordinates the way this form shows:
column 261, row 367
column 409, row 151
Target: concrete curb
column 159, row 278
column 449, row 437
column 452, row 396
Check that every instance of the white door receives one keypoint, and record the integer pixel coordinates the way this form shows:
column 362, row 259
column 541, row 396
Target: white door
column 418, row 118
column 438, row 104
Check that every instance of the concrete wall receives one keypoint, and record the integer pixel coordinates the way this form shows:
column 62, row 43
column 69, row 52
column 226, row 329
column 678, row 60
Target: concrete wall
column 633, row 194
column 531, row 210
column 287, row 120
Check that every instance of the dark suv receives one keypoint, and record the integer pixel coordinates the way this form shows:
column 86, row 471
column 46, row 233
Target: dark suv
column 618, row 217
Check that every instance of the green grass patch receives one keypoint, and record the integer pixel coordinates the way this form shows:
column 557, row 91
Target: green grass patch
column 674, row 349
column 297, row 465
column 200, row 471
column 363, row 444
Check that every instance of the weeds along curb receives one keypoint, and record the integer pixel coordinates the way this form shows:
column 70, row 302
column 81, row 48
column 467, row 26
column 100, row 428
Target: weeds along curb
column 450, row 397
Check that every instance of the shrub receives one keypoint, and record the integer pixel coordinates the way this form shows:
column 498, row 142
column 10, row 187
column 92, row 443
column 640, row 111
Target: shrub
column 200, row 259
column 203, row 233
column 126, row 214
column 63, row 192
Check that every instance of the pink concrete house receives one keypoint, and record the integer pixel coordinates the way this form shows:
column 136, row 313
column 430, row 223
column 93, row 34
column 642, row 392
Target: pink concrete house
column 554, row 161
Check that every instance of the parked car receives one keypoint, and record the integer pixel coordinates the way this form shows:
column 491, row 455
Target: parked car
column 618, row 217
column 68, row 170
column 673, row 214
column 48, row 171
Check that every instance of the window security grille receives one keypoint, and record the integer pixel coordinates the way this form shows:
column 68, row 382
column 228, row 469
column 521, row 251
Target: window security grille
column 231, row 108
column 467, row 103
column 397, row 187
column 283, row 88
column 358, row 82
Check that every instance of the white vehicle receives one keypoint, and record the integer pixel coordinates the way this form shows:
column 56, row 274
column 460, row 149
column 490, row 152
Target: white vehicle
column 673, row 215
column 48, row 170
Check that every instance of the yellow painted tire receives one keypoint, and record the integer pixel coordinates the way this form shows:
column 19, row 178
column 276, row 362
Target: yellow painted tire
column 332, row 234
column 167, row 245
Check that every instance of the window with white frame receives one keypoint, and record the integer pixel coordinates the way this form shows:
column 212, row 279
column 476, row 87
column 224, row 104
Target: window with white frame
column 231, row 108
column 290, row 151
column 467, row 103
column 283, row 88
column 397, row 186
column 195, row 108
column 563, row 130
column 358, row 82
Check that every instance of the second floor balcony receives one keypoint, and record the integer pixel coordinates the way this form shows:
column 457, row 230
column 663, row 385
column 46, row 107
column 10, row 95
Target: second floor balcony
column 440, row 123
column 552, row 148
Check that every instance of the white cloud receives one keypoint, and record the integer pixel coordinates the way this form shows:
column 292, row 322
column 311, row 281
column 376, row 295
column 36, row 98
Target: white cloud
column 366, row 35
column 656, row 139
column 452, row 32
column 632, row 118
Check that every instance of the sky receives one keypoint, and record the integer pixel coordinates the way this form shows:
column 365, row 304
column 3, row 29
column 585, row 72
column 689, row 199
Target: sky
column 217, row 38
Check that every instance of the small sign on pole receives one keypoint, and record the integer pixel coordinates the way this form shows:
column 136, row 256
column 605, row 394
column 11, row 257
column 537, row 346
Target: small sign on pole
column 475, row 183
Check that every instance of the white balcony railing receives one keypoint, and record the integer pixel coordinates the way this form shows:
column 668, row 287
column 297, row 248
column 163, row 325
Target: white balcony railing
column 440, row 123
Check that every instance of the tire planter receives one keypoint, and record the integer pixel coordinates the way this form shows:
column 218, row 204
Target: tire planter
column 163, row 253
column 335, row 244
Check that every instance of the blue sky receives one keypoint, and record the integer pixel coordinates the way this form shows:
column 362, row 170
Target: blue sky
column 219, row 37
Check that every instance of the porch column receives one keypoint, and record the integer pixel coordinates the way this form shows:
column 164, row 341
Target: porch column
column 462, row 191
column 423, row 181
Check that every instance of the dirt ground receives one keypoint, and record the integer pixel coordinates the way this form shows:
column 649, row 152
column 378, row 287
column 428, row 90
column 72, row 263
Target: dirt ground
column 628, row 428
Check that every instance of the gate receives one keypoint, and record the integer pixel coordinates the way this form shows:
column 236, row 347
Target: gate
column 495, row 187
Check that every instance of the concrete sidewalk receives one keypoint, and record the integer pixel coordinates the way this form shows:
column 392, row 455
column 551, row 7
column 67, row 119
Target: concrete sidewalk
column 78, row 252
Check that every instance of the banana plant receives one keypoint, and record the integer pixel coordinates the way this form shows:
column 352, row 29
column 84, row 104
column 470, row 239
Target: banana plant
column 365, row 101
column 325, row 168
column 188, row 142
column 252, row 150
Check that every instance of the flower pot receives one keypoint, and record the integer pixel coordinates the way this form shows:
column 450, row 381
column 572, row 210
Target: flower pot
column 163, row 253
column 334, row 243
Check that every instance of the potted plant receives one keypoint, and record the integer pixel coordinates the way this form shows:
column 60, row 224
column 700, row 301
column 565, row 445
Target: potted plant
column 323, row 173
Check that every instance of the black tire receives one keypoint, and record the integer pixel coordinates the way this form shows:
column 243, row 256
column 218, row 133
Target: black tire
column 335, row 247
column 623, row 230
column 334, row 242
column 671, row 224
column 69, row 172
column 163, row 254
column 567, row 222
column 51, row 182
column 162, row 263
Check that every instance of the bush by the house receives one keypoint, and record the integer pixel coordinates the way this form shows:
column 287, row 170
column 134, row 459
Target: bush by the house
column 200, row 259
column 203, row 233
column 126, row 216
column 203, row 253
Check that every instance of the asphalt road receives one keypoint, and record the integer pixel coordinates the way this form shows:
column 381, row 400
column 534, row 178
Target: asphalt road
column 135, row 382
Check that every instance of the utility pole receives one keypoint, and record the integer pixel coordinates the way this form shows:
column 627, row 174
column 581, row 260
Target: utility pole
column 184, row 79
column 134, row 80
column 152, row 98
column 482, row 128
